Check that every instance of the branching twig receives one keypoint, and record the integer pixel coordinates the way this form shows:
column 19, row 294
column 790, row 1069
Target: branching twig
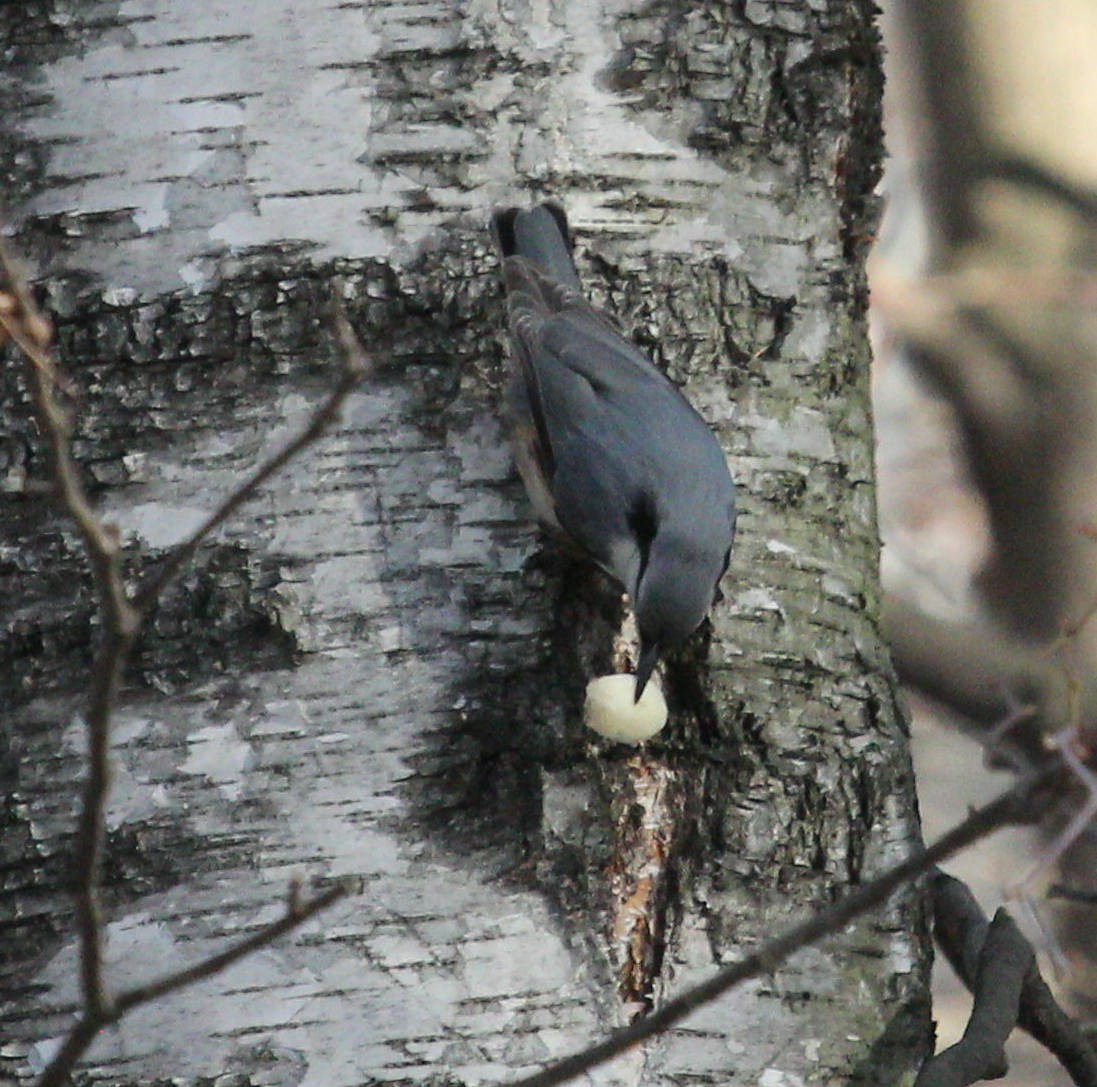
column 31, row 332
column 961, row 930
column 1010, row 807
column 90, row 1024
column 983, row 677
column 1004, row 959
column 1072, row 894
column 355, row 366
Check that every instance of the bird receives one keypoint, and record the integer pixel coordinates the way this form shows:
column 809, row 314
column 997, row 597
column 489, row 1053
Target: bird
column 612, row 455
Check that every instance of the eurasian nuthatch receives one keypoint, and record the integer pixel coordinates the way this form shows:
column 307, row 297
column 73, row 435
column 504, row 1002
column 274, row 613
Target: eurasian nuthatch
column 611, row 453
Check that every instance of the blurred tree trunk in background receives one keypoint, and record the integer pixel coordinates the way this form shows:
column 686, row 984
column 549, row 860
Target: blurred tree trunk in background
column 1005, row 327
column 377, row 669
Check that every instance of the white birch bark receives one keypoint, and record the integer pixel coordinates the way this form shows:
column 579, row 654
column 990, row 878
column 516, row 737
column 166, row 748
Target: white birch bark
column 377, row 669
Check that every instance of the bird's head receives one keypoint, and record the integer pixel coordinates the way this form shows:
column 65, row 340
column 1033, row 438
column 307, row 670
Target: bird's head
column 676, row 590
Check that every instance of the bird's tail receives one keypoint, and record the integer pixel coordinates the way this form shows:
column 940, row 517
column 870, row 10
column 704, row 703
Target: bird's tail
column 541, row 236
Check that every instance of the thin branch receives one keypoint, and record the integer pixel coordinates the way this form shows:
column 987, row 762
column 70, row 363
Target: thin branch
column 1072, row 894
column 32, row 333
column 64, row 1060
column 1080, row 820
column 297, row 913
column 1026, row 706
column 110, row 663
column 355, row 366
column 1004, row 959
column 984, row 677
column 1013, row 806
column 961, row 930
column 89, row 1025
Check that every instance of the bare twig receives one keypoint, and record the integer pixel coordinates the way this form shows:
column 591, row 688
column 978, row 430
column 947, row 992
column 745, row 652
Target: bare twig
column 961, row 930
column 1072, row 894
column 25, row 325
column 297, row 913
column 355, row 366
column 1003, row 961
column 1079, row 821
column 110, row 663
column 1025, row 703
column 31, row 332
column 1010, row 807
column 984, row 677
column 89, row 1024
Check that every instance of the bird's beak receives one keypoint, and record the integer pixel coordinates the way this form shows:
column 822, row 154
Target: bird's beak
column 649, row 654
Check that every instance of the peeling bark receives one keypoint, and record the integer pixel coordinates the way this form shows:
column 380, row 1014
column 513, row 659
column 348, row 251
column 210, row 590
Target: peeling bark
column 378, row 668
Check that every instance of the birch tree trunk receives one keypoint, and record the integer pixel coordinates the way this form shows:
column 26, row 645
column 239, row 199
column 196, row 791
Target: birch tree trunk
column 377, row 670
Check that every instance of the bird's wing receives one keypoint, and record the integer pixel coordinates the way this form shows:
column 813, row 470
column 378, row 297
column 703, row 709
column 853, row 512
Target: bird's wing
column 571, row 367
column 570, row 356
column 587, row 342
column 618, row 446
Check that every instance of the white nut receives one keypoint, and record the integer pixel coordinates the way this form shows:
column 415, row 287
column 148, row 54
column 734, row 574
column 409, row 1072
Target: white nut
column 611, row 711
